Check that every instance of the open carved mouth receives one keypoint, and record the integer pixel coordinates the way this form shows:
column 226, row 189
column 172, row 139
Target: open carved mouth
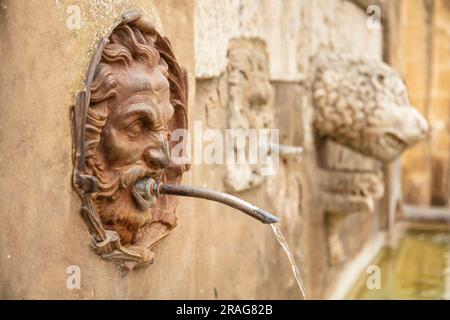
column 141, row 192
column 393, row 141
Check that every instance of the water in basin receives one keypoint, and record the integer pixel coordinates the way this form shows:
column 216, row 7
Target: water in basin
column 417, row 268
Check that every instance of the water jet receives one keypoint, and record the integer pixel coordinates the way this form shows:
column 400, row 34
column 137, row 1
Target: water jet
column 149, row 188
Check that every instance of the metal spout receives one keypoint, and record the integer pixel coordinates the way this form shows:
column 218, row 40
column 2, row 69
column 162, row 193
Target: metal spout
column 149, row 187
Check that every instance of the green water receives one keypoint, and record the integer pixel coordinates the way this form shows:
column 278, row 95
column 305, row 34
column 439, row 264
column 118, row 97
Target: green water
column 418, row 268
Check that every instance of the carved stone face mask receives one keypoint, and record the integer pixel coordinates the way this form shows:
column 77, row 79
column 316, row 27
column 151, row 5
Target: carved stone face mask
column 250, row 104
column 135, row 96
column 363, row 104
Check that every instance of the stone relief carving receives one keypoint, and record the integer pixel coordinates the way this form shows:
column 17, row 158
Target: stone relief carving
column 360, row 103
column 135, row 95
column 363, row 104
column 244, row 96
column 344, row 193
column 251, row 106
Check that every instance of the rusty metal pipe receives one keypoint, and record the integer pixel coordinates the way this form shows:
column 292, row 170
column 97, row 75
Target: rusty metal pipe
column 152, row 187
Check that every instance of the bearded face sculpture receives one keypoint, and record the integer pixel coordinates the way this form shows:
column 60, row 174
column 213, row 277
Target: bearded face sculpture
column 135, row 96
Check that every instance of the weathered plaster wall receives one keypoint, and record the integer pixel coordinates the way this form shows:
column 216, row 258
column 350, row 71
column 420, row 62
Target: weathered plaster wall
column 43, row 65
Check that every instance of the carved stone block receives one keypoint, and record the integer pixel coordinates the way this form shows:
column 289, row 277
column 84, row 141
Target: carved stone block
column 360, row 103
column 344, row 193
column 251, row 106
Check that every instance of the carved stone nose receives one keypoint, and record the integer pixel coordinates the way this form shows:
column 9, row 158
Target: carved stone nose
column 424, row 126
column 157, row 158
column 421, row 124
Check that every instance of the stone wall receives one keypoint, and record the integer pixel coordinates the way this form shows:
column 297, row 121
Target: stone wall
column 421, row 55
column 439, row 102
column 214, row 252
column 293, row 32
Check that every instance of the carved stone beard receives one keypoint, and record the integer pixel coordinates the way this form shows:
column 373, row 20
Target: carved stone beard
column 122, row 216
column 119, row 208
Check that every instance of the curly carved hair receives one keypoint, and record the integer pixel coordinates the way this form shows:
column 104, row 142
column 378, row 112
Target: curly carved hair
column 127, row 46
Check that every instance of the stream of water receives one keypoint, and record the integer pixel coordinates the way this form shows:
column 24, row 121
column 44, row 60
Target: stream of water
column 282, row 241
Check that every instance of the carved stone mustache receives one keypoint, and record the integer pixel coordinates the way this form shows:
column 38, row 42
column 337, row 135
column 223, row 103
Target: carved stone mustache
column 132, row 174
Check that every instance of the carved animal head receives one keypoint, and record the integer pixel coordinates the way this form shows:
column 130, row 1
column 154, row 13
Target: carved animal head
column 363, row 104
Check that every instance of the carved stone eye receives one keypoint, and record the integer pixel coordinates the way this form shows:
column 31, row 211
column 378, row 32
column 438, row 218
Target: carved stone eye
column 135, row 129
column 380, row 78
column 243, row 74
